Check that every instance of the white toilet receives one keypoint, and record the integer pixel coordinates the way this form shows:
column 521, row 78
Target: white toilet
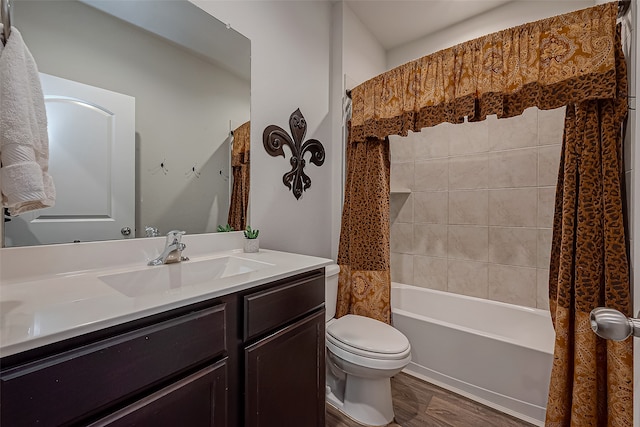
column 362, row 356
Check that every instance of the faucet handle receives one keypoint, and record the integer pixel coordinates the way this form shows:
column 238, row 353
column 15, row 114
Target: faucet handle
column 174, row 236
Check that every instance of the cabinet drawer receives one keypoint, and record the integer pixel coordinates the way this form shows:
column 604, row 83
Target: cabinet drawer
column 199, row 400
column 65, row 387
column 268, row 309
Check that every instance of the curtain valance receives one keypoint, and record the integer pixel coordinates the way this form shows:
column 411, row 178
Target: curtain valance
column 548, row 63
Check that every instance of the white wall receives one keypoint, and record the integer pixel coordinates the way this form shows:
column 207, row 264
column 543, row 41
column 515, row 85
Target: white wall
column 363, row 56
column 290, row 69
column 183, row 106
column 356, row 56
column 337, row 100
column 503, row 17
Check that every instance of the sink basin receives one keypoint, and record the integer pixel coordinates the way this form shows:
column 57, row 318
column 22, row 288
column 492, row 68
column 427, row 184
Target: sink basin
column 174, row 277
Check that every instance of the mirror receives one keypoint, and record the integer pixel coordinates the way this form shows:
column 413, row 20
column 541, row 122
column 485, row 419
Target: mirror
column 190, row 77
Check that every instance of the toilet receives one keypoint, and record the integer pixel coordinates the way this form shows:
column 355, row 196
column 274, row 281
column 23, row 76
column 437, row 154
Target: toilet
column 362, row 356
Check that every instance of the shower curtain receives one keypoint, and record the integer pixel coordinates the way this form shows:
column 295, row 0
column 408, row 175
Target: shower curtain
column 572, row 60
column 240, row 171
column 591, row 381
column 364, row 279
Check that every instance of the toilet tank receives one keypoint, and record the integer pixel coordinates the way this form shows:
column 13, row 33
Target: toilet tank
column 331, row 289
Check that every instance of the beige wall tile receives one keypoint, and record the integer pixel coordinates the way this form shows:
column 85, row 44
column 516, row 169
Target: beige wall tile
column 431, row 175
column 515, row 132
column 430, row 207
column 469, row 207
column 546, row 206
column 401, row 148
column 479, row 219
column 402, row 268
column 468, row 242
column 402, row 238
column 514, row 285
column 550, row 126
column 430, row 239
column 468, row 278
column 432, row 142
column 545, row 236
column 513, row 168
column 513, row 207
column 468, row 138
column 400, row 207
column 548, row 164
column 468, row 172
column 513, row 246
column 430, row 272
column 402, row 175
column 542, row 289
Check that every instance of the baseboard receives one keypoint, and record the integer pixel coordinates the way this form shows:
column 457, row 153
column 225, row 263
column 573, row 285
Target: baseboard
column 522, row 410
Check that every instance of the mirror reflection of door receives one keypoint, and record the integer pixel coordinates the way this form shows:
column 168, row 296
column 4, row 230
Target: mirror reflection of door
column 92, row 162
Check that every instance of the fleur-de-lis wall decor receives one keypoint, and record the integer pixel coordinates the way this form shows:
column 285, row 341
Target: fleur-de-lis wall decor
column 274, row 139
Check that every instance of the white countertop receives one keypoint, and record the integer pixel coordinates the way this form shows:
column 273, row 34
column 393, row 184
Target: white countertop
column 45, row 309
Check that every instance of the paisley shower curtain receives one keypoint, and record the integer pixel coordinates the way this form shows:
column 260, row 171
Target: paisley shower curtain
column 592, row 379
column 571, row 60
column 240, row 171
column 364, row 280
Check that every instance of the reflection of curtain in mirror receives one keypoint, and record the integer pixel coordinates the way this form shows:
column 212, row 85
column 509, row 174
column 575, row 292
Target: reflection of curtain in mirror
column 240, row 171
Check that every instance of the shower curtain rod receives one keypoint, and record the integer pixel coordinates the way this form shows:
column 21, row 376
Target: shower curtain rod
column 5, row 11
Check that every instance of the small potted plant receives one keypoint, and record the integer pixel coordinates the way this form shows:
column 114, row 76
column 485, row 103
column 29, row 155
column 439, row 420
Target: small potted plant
column 251, row 241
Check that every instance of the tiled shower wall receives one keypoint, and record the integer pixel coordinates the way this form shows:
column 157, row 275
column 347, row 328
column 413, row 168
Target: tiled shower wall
column 477, row 219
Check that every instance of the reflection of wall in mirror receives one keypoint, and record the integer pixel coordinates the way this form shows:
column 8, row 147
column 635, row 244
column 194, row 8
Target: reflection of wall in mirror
column 184, row 105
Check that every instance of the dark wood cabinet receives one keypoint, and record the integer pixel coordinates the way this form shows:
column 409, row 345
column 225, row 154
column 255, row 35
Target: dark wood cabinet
column 285, row 376
column 199, row 400
column 76, row 384
column 254, row 358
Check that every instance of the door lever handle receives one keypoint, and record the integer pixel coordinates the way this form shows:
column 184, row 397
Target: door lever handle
column 609, row 323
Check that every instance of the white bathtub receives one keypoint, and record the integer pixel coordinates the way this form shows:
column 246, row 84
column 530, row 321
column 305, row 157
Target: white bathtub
column 495, row 353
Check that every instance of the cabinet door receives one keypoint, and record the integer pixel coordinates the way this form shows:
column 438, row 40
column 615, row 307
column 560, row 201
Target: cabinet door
column 199, row 400
column 285, row 376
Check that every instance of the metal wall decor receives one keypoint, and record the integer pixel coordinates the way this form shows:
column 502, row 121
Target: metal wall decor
column 274, row 138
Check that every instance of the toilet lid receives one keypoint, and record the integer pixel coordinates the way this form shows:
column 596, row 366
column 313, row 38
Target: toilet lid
column 368, row 334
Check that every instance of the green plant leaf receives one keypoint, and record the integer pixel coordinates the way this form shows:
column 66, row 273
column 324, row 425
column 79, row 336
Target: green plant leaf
column 251, row 234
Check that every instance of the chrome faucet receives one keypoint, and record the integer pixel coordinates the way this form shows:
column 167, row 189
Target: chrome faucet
column 172, row 249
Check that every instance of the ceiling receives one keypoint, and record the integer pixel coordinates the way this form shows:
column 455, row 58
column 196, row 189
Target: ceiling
column 396, row 22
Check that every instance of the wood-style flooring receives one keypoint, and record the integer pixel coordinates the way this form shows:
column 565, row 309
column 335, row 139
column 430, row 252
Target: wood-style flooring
column 419, row 404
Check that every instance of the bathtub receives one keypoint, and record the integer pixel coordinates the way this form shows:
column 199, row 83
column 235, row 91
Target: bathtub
column 497, row 354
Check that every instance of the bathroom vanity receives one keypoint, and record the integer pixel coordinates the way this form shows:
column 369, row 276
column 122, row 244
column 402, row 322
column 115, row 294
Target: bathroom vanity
column 243, row 349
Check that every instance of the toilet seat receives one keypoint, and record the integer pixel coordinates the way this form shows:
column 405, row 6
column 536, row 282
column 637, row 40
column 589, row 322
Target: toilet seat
column 368, row 338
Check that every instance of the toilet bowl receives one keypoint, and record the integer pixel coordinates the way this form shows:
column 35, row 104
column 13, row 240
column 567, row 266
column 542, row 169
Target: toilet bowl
column 362, row 356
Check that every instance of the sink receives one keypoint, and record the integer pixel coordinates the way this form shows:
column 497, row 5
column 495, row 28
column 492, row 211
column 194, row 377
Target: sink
column 175, row 277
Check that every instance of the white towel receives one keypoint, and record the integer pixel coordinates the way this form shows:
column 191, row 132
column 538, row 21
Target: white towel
column 24, row 144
